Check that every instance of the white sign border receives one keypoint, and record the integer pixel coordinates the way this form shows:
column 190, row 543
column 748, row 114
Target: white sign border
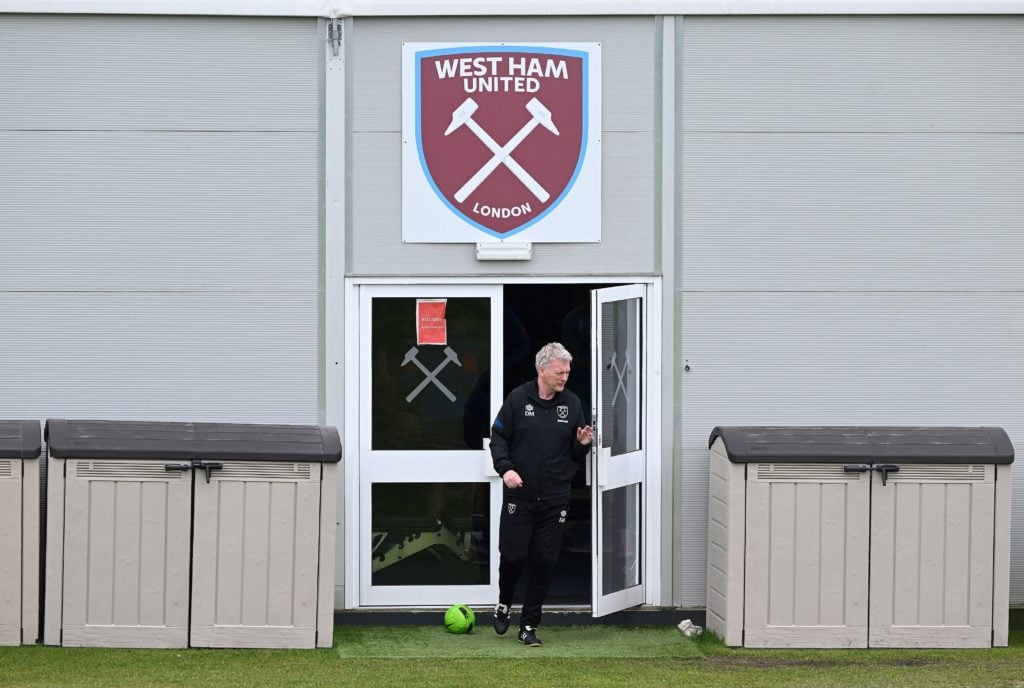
column 575, row 218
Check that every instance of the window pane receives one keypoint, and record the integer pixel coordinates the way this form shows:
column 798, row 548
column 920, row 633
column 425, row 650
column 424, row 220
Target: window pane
column 620, row 376
column 620, row 538
column 430, row 534
column 430, row 396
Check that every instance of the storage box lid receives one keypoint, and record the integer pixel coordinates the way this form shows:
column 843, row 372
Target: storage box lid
column 102, row 439
column 20, row 439
column 865, row 444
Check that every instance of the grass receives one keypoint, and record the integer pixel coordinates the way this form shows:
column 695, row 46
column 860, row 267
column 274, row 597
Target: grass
column 989, row 668
column 721, row 666
column 568, row 642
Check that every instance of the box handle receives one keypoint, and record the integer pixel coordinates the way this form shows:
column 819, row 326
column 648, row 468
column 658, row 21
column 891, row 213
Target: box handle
column 885, row 469
column 209, row 467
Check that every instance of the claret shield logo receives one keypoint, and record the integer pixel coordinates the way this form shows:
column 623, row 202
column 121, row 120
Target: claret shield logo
column 502, row 133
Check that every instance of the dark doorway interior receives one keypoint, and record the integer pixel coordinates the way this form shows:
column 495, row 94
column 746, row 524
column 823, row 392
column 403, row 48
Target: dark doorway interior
column 536, row 314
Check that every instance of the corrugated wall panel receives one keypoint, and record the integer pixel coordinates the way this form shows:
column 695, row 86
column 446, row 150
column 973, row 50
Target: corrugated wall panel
column 185, row 356
column 852, row 359
column 843, row 73
column 628, row 82
column 89, row 72
column 863, row 212
column 851, row 233
column 159, row 210
column 159, row 195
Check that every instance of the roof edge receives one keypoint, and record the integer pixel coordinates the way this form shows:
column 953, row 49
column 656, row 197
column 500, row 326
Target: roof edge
column 182, row 441
column 21, row 439
column 450, row 8
column 864, row 443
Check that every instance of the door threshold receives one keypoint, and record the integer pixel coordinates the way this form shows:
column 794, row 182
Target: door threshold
column 563, row 615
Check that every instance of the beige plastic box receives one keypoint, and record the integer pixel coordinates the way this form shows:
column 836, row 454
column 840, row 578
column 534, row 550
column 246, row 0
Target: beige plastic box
column 859, row 536
column 181, row 534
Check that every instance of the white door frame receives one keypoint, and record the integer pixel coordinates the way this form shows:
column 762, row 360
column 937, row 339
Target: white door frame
column 420, row 466
column 345, row 341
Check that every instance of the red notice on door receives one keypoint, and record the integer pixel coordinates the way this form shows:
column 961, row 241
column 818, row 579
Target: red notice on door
column 431, row 327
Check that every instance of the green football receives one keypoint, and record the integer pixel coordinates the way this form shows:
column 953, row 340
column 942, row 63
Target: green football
column 459, row 619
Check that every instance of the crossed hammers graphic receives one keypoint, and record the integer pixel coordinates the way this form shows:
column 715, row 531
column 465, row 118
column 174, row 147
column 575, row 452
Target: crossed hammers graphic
column 411, row 356
column 620, row 375
column 502, row 155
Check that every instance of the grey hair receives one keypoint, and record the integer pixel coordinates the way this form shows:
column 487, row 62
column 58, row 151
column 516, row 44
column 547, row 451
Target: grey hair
column 550, row 352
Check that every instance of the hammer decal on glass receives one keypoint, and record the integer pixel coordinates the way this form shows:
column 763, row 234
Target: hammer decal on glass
column 411, row 356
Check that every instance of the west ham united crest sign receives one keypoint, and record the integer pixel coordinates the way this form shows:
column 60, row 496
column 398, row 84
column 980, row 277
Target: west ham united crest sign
column 501, row 141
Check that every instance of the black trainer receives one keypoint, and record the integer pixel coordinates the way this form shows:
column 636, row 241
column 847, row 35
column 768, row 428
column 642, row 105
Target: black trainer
column 528, row 636
column 501, row 618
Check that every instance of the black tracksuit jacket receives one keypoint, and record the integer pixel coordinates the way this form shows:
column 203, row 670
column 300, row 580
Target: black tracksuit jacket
column 537, row 438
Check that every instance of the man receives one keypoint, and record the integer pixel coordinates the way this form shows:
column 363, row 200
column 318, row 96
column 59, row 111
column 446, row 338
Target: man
column 536, row 441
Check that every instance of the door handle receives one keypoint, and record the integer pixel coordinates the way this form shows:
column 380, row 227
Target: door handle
column 604, row 457
column 856, row 468
column 593, row 460
column 178, row 467
column 209, row 467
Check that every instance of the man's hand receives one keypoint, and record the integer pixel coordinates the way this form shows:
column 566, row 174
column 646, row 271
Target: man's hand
column 585, row 435
column 512, row 480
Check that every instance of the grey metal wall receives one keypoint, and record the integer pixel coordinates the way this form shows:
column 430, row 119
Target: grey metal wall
column 852, row 228
column 628, row 83
column 159, row 218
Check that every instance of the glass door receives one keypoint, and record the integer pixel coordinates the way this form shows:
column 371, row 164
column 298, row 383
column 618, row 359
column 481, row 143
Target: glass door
column 429, row 388
column 618, row 336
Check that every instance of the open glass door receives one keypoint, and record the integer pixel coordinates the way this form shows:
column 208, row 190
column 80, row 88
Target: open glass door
column 430, row 367
column 618, row 465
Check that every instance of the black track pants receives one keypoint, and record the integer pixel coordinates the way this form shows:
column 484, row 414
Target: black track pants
column 530, row 537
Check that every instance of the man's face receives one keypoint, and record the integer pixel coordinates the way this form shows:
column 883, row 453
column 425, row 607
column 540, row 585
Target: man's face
column 553, row 378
